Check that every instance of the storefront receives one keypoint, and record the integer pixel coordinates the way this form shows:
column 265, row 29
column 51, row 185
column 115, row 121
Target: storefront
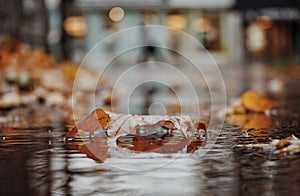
column 271, row 30
column 213, row 23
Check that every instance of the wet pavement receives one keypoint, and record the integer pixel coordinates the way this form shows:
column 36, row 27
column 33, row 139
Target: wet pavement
column 34, row 160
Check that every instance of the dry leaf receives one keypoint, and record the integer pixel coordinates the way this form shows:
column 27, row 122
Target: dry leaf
column 140, row 144
column 285, row 146
column 253, row 101
column 96, row 120
column 160, row 141
column 118, row 125
column 121, row 124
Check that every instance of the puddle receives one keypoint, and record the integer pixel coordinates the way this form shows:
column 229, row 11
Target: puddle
column 36, row 161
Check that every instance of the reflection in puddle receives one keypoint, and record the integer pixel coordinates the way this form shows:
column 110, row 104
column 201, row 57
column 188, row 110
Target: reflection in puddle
column 251, row 121
column 150, row 174
column 57, row 169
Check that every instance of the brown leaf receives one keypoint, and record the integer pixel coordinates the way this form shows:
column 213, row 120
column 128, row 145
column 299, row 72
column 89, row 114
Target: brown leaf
column 140, row 144
column 96, row 120
column 285, row 146
column 117, row 125
column 194, row 145
column 121, row 124
column 253, row 101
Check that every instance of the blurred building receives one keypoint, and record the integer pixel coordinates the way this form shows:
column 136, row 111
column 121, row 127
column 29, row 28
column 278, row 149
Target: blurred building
column 271, row 29
column 214, row 23
column 26, row 20
column 229, row 29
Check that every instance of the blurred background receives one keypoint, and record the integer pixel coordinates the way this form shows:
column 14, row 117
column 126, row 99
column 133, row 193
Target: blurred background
column 243, row 37
column 251, row 42
column 255, row 44
column 232, row 30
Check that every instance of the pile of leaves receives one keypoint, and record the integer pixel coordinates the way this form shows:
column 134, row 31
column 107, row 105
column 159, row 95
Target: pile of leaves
column 30, row 76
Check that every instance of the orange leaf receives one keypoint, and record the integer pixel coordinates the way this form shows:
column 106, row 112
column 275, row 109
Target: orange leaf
column 117, row 125
column 96, row 120
column 253, row 101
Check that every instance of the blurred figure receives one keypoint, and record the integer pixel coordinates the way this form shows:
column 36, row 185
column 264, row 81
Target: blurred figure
column 149, row 37
column 174, row 47
column 111, row 45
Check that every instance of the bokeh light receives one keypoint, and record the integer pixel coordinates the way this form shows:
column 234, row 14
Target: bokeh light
column 265, row 22
column 202, row 25
column 176, row 21
column 75, row 26
column 116, row 14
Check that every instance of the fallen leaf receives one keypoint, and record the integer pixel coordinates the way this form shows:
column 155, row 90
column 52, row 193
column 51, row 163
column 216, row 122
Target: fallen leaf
column 140, row 144
column 159, row 138
column 253, row 101
column 144, row 130
column 98, row 119
column 121, row 124
column 286, row 146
